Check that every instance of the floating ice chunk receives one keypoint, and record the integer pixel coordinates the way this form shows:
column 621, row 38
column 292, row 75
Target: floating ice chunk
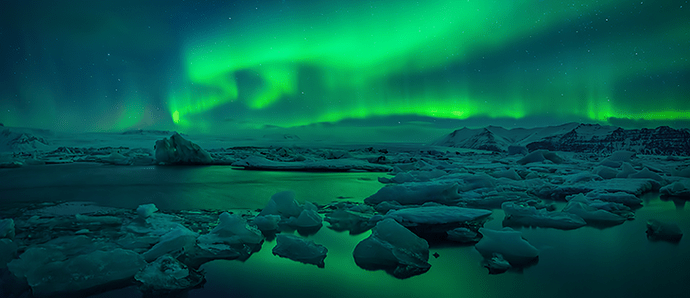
column 658, row 230
column 414, row 176
column 8, row 250
column 178, row 150
column 394, row 248
column 515, row 150
column 592, row 215
column 307, row 219
column 615, row 197
column 417, row 193
column 626, row 170
column 531, row 216
column 462, row 235
column 680, row 189
column 98, row 220
column 7, row 228
column 177, row 239
column 303, row 216
column 328, row 165
column 167, row 275
column 300, row 250
column 684, row 172
column 497, row 264
column 436, row 215
column 232, row 229
column 646, row 173
column 267, row 223
column 605, row 172
column 540, row 156
column 507, row 242
column 52, row 272
column 116, row 158
column 581, row 177
column 283, row 204
column 145, row 210
column 510, row 174
column 616, row 159
column 349, row 220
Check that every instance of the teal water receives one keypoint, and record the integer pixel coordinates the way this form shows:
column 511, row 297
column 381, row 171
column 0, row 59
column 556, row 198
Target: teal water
column 587, row 262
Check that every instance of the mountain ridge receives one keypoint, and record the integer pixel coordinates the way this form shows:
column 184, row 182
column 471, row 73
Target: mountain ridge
column 573, row 137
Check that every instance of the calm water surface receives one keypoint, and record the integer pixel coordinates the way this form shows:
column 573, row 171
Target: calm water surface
column 587, row 262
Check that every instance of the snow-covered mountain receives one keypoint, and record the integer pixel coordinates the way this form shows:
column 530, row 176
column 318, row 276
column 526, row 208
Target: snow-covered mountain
column 574, row 137
column 17, row 140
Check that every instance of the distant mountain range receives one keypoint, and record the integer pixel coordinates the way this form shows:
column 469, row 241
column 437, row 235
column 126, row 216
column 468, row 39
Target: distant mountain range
column 574, row 137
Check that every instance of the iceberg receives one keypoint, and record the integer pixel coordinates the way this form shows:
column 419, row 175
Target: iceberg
column 178, row 150
column 582, row 207
column 509, row 244
column 658, row 230
column 393, row 248
column 300, row 250
column 436, row 215
column 531, row 216
column 167, row 275
column 417, row 193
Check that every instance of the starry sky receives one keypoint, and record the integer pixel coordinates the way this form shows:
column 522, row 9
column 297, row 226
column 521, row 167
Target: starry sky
column 212, row 66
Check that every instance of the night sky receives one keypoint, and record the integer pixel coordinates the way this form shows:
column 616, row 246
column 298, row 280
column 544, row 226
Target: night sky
column 210, row 66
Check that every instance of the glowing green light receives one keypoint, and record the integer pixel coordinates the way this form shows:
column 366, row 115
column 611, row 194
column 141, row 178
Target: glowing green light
column 356, row 61
column 176, row 117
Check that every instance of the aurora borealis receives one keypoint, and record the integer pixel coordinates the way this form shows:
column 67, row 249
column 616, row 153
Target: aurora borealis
column 209, row 65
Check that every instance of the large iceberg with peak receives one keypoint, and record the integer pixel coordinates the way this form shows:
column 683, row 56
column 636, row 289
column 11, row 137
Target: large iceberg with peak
column 393, row 248
column 178, row 150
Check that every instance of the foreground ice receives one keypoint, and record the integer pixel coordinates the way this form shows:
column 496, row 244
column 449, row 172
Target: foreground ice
column 74, row 264
column 530, row 216
column 444, row 192
column 393, row 248
column 678, row 189
column 509, row 244
column 436, row 215
column 589, row 211
column 303, row 217
column 300, row 250
column 659, row 230
column 167, row 275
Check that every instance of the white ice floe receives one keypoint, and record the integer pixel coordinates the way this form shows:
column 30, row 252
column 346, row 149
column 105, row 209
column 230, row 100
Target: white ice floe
column 7, row 228
column 178, row 150
column 231, row 229
column 541, row 156
column 291, row 213
column 658, row 230
column 334, row 165
column 417, row 193
column 462, row 235
column 70, row 265
column 530, row 216
column 584, row 208
column 616, row 159
column 167, row 275
column 146, row 210
column 507, row 242
column 436, row 215
column 679, row 189
column 178, row 239
column 300, row 250
column 394, row 248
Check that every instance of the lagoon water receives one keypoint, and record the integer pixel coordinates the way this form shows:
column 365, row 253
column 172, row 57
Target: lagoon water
column 588, row 262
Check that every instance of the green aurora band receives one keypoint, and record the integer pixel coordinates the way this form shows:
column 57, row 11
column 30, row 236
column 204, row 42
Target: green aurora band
column 448, row 59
